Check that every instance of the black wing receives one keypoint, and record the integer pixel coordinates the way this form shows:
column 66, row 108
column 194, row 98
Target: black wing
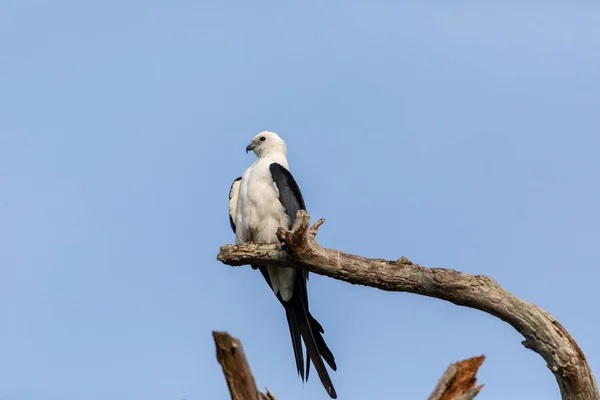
column 289, row 192
column 233, row 193
column 300, row 321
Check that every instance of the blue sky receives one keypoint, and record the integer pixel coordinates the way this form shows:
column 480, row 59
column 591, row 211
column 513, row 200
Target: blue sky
column 461, row 136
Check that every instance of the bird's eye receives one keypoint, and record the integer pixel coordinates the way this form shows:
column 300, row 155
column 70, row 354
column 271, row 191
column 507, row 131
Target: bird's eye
column 262, row 138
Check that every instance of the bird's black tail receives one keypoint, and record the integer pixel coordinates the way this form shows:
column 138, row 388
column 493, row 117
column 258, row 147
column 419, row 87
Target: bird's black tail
column 303, row 325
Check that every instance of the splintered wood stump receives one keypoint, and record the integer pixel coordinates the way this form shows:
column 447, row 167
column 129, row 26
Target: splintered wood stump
column 238, row 375
column 458, row 382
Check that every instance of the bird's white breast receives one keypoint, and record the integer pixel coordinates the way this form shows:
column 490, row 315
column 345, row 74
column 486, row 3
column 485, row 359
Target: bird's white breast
column 259, row 211
column 258, row 216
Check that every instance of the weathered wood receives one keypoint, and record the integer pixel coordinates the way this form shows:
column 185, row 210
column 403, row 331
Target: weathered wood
column 268, row 396
column 458, row 382
column 543, row 334
column 238, row 375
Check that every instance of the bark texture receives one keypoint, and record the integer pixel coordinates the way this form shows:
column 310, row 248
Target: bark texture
column 543, row 334
column 238, row 375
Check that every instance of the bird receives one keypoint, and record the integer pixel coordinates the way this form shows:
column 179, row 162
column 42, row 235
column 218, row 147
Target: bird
column 265, row 198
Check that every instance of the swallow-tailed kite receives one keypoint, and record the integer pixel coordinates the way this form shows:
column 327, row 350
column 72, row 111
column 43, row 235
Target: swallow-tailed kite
column 263, row 199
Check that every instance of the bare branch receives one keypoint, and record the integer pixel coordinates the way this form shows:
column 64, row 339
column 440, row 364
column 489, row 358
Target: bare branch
column 240, row 381
column 315, row 228
column 458, row 382
column 543, row 334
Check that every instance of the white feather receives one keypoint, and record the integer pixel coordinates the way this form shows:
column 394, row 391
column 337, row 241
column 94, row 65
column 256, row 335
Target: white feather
column 258, row 212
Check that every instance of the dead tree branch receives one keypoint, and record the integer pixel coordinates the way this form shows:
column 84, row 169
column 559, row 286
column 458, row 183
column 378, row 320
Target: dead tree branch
column 238, row 375
column 543, row 334
column 458, row 382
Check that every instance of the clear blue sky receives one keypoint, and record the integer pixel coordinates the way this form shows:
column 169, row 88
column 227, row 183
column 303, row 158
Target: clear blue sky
column 462, row 136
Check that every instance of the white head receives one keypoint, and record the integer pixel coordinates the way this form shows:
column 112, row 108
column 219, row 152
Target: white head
column 266, row 143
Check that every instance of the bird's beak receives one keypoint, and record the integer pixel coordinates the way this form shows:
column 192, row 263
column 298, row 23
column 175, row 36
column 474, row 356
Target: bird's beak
column 249, row 147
